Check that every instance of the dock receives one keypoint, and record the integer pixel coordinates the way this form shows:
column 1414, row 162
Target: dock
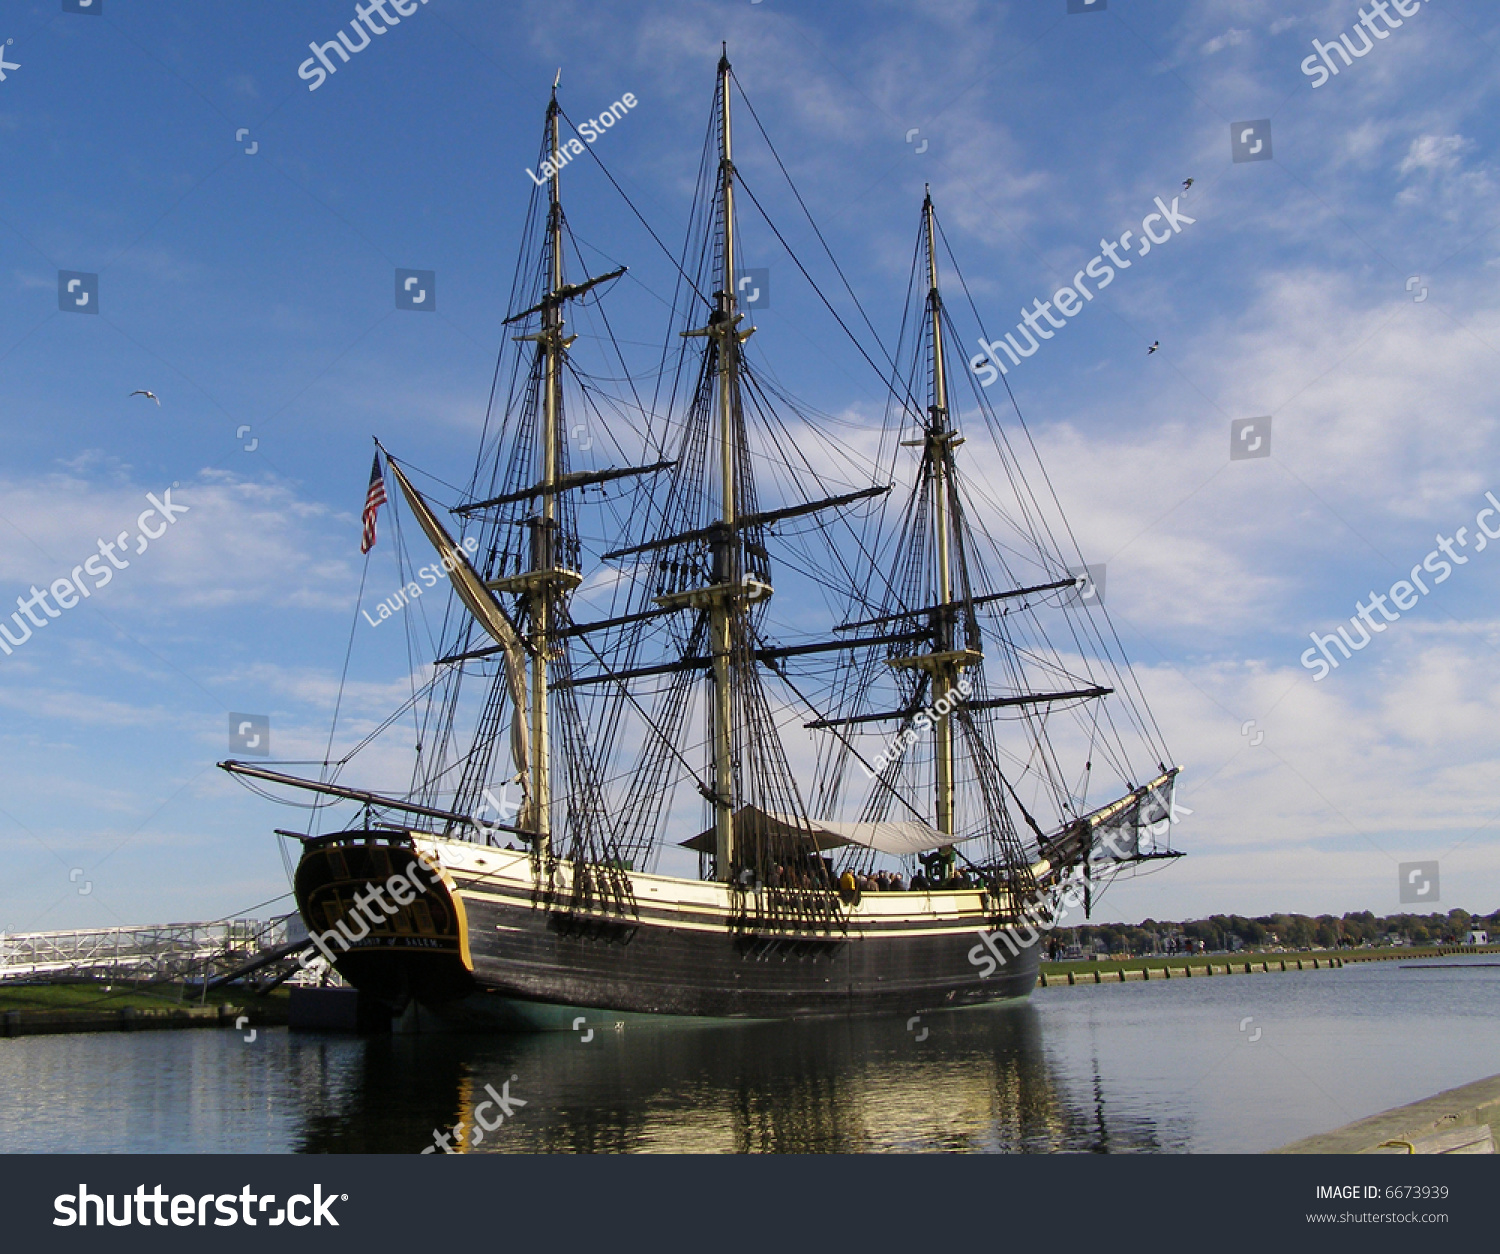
column 1459, row 1121
column 1186, row 970
column 133, row 1019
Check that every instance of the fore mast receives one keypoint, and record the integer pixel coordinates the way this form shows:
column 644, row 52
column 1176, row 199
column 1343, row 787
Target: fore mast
column 550, row 575
column 546, row 581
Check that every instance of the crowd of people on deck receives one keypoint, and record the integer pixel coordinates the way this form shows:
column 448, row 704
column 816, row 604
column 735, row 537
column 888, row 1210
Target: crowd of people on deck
column 817, row 873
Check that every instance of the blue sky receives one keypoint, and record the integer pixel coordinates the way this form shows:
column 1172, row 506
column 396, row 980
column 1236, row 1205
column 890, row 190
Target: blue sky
column 1347, row 288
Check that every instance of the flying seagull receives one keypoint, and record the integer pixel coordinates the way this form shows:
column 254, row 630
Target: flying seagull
column 148, row 395
column 1186, row 183
column 1155, row 344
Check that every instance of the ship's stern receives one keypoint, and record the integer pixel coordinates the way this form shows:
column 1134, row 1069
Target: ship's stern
column 386, row 916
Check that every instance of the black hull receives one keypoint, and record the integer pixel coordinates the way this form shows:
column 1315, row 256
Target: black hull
column 507, row 961
column 525, row 956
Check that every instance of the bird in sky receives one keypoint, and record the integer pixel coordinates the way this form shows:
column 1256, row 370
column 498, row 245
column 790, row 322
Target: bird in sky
column 1155, row 344
column 1186, row 183
column 148, row 395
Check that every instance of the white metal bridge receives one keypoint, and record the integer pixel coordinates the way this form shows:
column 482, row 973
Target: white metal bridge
column 164, row 952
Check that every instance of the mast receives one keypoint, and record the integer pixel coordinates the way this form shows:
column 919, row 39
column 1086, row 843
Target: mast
column 939, row 446
column 544, row 537
column 730, row 588
column 546, row 580
column 534, row 506
column 724, row 323
column 945, row 661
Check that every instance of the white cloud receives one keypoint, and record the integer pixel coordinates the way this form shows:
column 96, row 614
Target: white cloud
column 1435, row 153
column 1231, row 38
column 241, row 541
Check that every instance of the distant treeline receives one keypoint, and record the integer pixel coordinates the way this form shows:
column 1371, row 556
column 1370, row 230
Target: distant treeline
column 1294, row 931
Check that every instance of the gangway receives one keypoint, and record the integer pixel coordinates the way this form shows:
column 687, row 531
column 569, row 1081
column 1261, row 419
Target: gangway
column 154, row 953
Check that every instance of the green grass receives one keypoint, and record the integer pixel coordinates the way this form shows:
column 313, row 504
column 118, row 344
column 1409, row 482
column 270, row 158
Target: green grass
column 85, row 998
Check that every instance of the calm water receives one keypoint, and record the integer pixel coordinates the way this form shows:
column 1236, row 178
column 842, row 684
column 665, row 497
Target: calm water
column 1133, row 1068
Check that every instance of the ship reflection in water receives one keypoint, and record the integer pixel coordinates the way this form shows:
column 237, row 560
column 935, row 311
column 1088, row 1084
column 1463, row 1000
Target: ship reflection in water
column 964, row 1080
column 1159, row 1067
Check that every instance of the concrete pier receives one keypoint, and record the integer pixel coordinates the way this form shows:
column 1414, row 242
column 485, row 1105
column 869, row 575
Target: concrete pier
column 1460, row 1121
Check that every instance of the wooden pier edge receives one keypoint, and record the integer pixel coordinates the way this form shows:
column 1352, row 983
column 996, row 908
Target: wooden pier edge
column 1185, row 970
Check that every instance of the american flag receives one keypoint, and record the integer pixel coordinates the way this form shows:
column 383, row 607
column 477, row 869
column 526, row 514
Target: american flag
column 374, row 499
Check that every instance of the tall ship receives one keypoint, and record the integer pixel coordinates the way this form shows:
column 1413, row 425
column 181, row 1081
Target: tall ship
column 740, row 710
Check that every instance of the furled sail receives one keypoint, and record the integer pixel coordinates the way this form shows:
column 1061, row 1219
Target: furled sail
column 903, row 838
column 485, row 607
column 1130, row 829
column 1118, row 828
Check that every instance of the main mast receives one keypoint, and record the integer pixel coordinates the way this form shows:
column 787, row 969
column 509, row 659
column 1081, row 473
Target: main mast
column 724, row 324
column 729, row 590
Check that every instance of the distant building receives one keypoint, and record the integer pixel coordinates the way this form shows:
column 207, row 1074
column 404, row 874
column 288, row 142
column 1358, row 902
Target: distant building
column 1476, row 937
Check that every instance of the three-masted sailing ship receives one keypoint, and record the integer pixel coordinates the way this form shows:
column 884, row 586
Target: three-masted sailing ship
column 871, row 781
